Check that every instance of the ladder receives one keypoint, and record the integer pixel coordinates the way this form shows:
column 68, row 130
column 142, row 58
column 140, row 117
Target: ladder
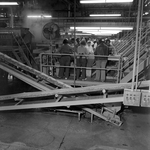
column 13, row 45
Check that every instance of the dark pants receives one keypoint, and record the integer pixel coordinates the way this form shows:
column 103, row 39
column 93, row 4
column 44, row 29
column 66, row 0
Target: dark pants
column 64, row 61
column 101, row 73
column 81, row 62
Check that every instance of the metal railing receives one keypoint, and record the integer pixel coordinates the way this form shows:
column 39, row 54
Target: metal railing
column 50, row 62
column 128, row 40
column 130, row 55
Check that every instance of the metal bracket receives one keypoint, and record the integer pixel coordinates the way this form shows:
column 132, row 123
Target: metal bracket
column 59, row 97
column 19, row 101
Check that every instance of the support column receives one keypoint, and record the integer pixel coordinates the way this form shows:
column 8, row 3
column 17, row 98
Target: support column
column 139, row 44
column 136, row 43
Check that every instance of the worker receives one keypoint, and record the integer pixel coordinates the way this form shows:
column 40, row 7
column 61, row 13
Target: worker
column 109, row 47
column 65, row 60
column 90, row 58
column 81, row 61
column 101, row 61
column 112, row 50
column 27, row 37
column 27, row 42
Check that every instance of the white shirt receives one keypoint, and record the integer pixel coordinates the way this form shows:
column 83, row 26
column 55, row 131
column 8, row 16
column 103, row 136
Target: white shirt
column 90, row 51
column 95, row 45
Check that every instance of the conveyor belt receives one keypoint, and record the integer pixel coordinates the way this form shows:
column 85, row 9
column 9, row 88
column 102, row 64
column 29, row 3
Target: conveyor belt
column 75, row 91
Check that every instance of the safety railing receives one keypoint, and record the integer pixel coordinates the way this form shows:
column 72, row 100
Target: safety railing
column 130, row 52
column 124, row 41
column 126, row 49
column 49, row 64
column 25, row 49
column 124, row 37
column 129, row 60
column 130, row 40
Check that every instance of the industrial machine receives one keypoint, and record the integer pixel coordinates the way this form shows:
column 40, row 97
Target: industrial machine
column 17, row 60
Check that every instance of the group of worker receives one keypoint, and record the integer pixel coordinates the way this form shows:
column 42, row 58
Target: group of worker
column 86, row 52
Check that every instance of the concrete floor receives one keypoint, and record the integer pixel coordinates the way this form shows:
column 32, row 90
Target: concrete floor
column 45, row 130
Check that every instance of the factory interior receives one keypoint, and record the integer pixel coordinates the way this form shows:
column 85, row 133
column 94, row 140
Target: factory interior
column 75, row 75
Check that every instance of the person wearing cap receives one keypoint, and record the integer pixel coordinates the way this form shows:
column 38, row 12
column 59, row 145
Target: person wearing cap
column 65, row 59
column 81, row 60
column 90, row 58
column 101, row 61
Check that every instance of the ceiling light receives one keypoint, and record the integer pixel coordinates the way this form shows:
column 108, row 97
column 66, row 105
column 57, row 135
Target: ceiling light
column 102, row 28
column 82, row 34
column 8, row 3
column 119, row 1
column 92, row 1
column 95, row 32
column 47, row 16
column 76, row 33
column 106, row 15
column 39, row 16
column 84, row 28
column 101, row 31
column 105, row 1
column 117, row 28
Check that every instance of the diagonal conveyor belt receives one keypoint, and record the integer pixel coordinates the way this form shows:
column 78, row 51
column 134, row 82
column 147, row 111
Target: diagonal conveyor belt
column 26, row 78
column 6, row 59
column 74, row 91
